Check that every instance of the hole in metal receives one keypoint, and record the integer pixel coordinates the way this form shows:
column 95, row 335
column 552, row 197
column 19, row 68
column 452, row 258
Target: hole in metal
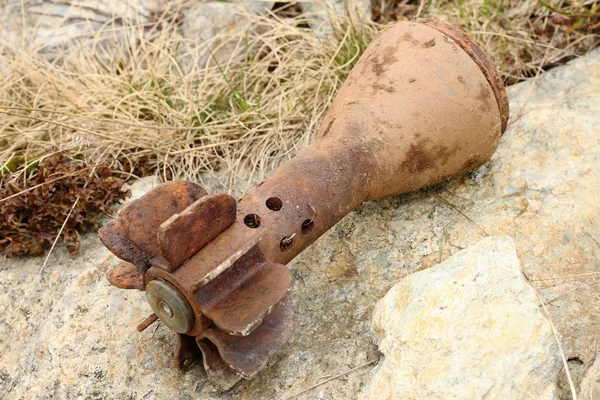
column 252, row 221
column 274, row 203
column 286, row 242
column 307, row 226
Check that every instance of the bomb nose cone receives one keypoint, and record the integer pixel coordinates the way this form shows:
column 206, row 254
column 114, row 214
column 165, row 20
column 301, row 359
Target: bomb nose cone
column 170, row 306
column 481, row 59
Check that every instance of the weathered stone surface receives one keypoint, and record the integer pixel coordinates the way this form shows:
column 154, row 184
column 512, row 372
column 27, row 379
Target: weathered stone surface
column 73, row 335
column 49, row 24
column 259, row 6
column 320, row 12
column 213, row 25
column 468, row 328
column 590, row 384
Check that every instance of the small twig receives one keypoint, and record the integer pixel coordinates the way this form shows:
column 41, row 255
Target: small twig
column 562, row 295
column 58, row 235
column 560, row 348
column 332, row 378
column 41, row 270
column 156, row 327
column 458, row 210
column 591, row 237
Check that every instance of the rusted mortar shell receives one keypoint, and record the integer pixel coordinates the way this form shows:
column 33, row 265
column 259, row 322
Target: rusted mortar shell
column 423, row 104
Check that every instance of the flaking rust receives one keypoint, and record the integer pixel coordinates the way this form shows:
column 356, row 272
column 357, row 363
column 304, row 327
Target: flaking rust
column 423, row 104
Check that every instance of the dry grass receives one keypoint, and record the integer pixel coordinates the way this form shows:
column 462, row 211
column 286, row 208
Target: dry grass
column 140, row 95
column 152, row 107
column 517, row 34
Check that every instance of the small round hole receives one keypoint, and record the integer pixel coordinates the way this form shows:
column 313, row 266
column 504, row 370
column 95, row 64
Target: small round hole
column 252, row 221
column 286, row 243
column 274, row 203
column 307, row 226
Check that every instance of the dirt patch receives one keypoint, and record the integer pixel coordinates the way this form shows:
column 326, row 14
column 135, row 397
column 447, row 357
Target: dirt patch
column 417, row 159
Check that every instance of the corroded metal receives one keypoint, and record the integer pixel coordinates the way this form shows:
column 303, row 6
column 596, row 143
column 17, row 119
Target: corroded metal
column 423, row 104
column 170, row 306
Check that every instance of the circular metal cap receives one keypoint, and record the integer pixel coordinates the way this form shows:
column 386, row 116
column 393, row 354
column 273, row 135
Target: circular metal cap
column 170, row 306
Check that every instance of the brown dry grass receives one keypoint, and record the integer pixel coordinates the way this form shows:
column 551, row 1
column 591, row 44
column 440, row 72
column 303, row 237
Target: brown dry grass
column 520, row 34
column 138, row 95
column 151, row 105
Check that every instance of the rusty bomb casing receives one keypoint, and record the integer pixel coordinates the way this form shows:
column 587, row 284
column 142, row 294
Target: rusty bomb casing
column 423, row 104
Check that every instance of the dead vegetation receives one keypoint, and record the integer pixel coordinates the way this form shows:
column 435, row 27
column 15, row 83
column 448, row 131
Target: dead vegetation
column 523, row 37
column 142, row 99
column 154, row 101
column 56, row 196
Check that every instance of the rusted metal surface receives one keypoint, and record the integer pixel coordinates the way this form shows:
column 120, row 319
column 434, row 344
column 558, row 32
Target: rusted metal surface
column 201, row 222
column 152, row 318
column 249, row 354
column 423, row 104
column 170, row 305
column 126, row 276
column 186, row 352
column 222, row 374
column 133, row 235
column 238, row 300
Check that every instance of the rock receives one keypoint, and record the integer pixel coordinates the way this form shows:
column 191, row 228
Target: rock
column 259, row 6
column 590, row 384
column 72, row 335
column 322, row 13
column 142, row 186
column 211, row 25
column 468, row 328
column 52, row 24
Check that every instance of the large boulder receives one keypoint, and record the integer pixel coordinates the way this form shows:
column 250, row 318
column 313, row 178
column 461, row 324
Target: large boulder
column 468, row 328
